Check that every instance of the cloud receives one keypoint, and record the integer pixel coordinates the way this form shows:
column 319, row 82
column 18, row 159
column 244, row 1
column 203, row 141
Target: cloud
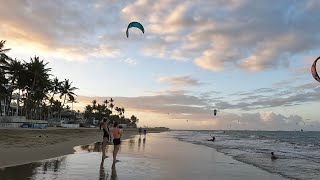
column 215, row 35
column 179, row 81
column 70, row 29
column 174, row 110
column 227, row 35
column 263, row 98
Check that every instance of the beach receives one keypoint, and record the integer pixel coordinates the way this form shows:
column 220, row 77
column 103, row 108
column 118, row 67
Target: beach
column 20, row 146
column 156, row 156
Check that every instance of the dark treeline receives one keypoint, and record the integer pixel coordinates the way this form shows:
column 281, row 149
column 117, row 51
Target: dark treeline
column 40, row 95
column 32, row 87
column 108, row 109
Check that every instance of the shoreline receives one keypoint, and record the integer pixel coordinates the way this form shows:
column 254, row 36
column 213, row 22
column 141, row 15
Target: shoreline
column 21, row 146
column 147, row 158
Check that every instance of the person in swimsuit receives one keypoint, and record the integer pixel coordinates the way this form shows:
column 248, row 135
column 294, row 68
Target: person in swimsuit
column 106, row 136
column 116, row 141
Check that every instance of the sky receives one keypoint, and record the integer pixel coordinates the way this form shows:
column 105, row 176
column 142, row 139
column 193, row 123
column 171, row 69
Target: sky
column 248, row 59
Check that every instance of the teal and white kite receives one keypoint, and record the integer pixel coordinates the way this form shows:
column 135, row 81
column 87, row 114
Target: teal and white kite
column 136, row 25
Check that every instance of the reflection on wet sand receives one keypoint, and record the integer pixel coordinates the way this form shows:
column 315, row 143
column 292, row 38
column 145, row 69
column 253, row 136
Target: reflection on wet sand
column 131, row 144
column 30, row 170
column 139, row 143
column 144, row 143
column 102, row 173
column 75, row 165
column 114, row 172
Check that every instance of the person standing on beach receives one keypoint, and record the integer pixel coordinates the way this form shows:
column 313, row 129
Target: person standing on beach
column 116, row 140
column 145, row 132
column 140, row 130
column 106, row 136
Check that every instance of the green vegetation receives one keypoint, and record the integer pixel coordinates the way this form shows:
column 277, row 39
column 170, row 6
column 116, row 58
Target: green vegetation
column 29, row 84
column 96, row 111
column 38, row 96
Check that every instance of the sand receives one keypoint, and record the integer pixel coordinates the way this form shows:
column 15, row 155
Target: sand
column 158, row 156
column 20, row 146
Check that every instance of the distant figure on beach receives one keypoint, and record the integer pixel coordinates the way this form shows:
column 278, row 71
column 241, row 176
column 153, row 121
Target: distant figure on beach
column 145, row 132
column 273, row 157
column 212, row 138
column 140, row 130
column 116, row 140
column 106, row 136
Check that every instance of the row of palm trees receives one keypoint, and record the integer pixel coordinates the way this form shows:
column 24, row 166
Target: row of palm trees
column 99, row 111
column 30, row 84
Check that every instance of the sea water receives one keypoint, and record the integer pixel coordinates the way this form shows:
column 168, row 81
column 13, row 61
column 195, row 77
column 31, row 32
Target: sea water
column 298, row 152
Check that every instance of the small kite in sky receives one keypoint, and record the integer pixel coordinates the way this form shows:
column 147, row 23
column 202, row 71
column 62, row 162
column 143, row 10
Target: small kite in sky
column 136, row 25
column 314, row 70
column 215, row 112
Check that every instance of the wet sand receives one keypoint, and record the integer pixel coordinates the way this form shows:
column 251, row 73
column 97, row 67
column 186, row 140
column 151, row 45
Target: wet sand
column 158, row 156
column 20, row 146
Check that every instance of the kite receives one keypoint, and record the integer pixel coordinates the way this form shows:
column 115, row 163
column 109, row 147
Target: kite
column 215, row 112
column 136, row 25
column 314, row 70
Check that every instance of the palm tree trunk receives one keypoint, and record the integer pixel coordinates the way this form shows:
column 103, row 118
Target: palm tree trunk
column 28, row 97
column 64, row 100
column 0, row 107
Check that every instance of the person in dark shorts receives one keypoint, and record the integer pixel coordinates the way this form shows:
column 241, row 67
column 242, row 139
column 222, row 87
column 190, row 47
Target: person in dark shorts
column 116, row 140
column 106, row 136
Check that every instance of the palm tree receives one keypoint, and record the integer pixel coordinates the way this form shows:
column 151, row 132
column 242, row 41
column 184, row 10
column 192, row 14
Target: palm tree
column 106, row 102
column 15, row 69
column 55, row 88
column 72, row 100
column 134, row 120
column 111, row 105
column 38, row 83
column 67, row 90
column 3, row 89
column 2, row 50
column 119, row 110
column 3, row 56
column 122, row 111
column 3, row 63
column 94, row 105
column 56, row 108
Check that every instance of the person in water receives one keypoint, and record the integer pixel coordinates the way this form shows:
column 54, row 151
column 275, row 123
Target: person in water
column 213, row 138
column 116, row 140
column 273, row 156
column 106, row 136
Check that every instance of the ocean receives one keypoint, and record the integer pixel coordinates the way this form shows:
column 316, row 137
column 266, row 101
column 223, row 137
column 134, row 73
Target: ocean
column 298, row 152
